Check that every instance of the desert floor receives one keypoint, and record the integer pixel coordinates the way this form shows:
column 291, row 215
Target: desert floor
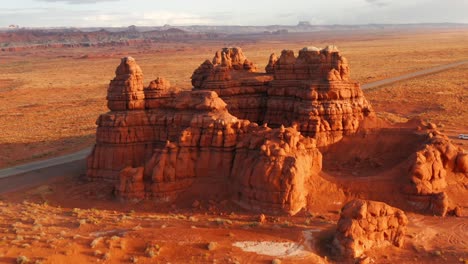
column 51, row 99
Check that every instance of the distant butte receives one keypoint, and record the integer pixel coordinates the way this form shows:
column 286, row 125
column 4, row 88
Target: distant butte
column 257, row 138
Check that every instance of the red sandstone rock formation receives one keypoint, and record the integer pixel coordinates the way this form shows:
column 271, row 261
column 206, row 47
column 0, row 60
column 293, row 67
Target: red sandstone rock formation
column 157, row 143
column 126, row 89
column 198, row 144
column 429, row 169
column 270, row 68
column 364, row 225
column 157, row 90
column 182, row 138
column 312, row 91
column 128, row 138
column 462, row 162
column 234, row 79
column 272, row 169
column 224, row 62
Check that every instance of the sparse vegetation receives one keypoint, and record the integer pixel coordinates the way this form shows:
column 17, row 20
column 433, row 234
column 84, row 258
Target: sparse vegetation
column 276, row 261
column 95, row 242
column 212, row 246
column 22, row 260
column 152, row 250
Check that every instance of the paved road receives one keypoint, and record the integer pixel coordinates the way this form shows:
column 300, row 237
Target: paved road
column 37, row 165
column 69, row 161
column 412, row 75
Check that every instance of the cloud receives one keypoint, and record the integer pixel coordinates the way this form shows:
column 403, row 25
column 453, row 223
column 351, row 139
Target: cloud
column 20, row 11
column 174, row 18
column 77, row 2
column 378, row 3
column 151, row 18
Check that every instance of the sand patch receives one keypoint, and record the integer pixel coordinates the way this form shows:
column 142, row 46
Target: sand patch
column 274, row 249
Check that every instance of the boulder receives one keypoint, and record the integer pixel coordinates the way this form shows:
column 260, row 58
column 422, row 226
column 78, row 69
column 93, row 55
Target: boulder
column 462, row 163
column 428, row 171
column 364, row 225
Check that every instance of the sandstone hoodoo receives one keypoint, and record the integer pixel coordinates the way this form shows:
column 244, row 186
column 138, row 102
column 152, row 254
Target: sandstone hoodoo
column 430, row 170
column 364, row 225
column 126, row 89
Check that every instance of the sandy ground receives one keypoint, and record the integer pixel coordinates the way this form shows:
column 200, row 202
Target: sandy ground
column 440, row 98
column 69, row 220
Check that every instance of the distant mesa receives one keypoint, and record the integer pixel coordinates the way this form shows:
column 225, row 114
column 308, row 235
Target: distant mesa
column 304, row 24
column 257, row 137
column 13, row 40
column 132, row 28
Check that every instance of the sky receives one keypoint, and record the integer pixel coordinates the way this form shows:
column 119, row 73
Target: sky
column 117, row 13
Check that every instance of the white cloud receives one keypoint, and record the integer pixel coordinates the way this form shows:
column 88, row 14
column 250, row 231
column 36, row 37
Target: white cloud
column 53, row 13
column 77, row 1
column 153, row 18
column 175, row 18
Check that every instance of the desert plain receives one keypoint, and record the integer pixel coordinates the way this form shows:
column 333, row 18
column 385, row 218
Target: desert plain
column 52, row 97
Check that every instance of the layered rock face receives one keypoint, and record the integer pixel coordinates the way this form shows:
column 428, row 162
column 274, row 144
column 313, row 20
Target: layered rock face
column 312, row 91
column 128, row 138
column 233, row 77
column 156, row 92
column 200, row 146
column 173, row 140
column 126, row 89
column 264, row 169
column 367, row 224
column 428, row 171
column 272, row 168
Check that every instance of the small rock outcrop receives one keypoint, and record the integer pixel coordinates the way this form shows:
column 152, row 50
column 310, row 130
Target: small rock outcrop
column 364, row 225
column 428, row 172
column 462, row 162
